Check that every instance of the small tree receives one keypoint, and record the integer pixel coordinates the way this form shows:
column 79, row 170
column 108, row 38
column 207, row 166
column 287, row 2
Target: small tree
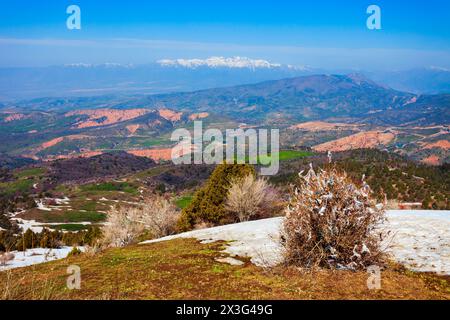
column 331, row 222
column 122, row 227
column 249, row 198
column 208, row 203
column 159, row 217
column 125, row 225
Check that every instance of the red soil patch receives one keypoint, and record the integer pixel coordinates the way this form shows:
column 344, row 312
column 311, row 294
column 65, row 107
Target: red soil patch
column 323, row 126
column 132, row 128
column 410, row 101
column 432, row 160
column 87, row 154
column 170, row 115
column 197, row 116
column 155, row 123
column 55, row 141
column 441, row 144
column 14, row 117
column 52, row 143
column 155, row 154
column 104, row 117
column 160, row 154
column 362, row 140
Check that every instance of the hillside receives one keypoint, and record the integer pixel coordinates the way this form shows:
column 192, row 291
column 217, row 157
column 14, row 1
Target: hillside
column 315, row 97
column 61, row 196
column 327, row 112
column 186, row 269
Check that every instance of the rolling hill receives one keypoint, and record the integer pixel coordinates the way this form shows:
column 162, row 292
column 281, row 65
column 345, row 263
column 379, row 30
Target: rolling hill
column 51, row 128
column 314, row 97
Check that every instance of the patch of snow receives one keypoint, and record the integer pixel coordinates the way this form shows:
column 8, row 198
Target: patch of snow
column 219, row 62
column 100, row 65
column 231, row 261
column 13, row 214
column 258, row 240
column 39, row 226
column 36, row 256
column 439, row 69
column 28, row 224
column 64, row 200
column 41, row 206
column 420, row 239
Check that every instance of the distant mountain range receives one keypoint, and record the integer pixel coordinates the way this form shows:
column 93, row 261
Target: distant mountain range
column 325, row 112
column 160, row 77
column 176, row 75
column 422, row 80
column 314, row 97
column 353, row 98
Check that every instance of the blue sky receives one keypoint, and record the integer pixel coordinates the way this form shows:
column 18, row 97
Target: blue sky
column 327, row 33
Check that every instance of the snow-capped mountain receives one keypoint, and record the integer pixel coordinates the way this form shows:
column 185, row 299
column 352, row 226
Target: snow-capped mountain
column 220, row 62
column 101, row 65
column 231, row 63
column 85, row 79
column 167, row 76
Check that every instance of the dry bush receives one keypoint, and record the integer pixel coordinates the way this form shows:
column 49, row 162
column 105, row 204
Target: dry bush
column 331, row 222
column 125, row 225
column 6, row 257
column 122, row 227
column 159, row 217
column 208, row 203
column 203, row 225
column 249, row 198
column 91, row 251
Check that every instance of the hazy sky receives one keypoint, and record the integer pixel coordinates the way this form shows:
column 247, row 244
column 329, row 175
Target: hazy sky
column 327, row 34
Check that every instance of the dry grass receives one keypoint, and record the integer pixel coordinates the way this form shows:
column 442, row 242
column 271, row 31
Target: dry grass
column 186, row 269
column 12, row 288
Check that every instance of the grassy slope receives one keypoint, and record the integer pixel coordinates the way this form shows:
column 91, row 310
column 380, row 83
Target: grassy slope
column 23, row 181
column 186, row 269
column 183, row 202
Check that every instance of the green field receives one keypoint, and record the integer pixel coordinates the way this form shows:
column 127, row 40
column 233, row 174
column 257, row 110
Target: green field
column 74, row 216
column 285, row 155
column 30, row 173
column 10, row 188
column 292, row 154
column 111, row 186
column 70, row 227
column 24, row 181
column 183, row 202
